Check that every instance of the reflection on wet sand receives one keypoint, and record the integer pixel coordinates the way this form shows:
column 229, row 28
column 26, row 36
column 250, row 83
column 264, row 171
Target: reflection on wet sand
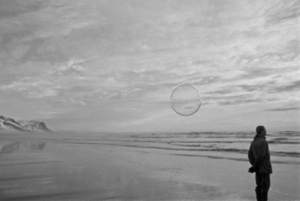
column 44, row 169
column 16, row 146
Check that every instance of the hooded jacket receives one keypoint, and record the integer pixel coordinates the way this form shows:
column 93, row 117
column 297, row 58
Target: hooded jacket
column 259, row 155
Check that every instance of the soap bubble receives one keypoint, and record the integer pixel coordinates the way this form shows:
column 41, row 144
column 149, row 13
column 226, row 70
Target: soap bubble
column 185, row 100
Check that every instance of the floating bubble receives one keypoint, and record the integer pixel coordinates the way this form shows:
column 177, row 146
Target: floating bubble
column 185, row 100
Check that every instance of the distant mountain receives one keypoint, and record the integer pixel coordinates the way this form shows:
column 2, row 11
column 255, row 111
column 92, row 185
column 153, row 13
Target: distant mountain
column 11, row 125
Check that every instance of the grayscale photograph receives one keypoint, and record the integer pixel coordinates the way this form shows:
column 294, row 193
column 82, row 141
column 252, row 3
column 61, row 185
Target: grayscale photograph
column 148, row 100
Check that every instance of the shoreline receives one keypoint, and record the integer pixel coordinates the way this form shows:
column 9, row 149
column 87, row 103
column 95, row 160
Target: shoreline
column 37, row 167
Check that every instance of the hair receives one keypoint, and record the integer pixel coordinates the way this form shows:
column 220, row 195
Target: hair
column 260, row 129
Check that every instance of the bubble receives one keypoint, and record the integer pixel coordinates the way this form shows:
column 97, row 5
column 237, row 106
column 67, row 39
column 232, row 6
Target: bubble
column 185, row 100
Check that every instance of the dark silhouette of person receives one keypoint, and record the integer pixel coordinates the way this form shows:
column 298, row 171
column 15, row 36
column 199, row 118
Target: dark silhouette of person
column 259, row 157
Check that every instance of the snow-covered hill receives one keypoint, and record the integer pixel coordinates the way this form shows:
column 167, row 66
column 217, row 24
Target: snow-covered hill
column 11, row 125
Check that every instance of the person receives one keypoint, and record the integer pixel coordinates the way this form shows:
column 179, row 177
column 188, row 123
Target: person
column 259, row 158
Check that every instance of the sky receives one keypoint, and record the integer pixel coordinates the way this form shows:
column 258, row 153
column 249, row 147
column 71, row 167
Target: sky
column 111, row 65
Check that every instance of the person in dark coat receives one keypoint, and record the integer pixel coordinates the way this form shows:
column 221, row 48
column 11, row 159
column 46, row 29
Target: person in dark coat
column 259, row 157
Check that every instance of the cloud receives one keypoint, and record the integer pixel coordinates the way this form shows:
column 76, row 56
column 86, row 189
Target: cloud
column 49, row 114
column 32, row 87
column 283, row 109
column 73, row 67
column 294, row 86
column 11, row 8
column 283, row 11
column 270, row 88
column 239, row 101
column 119, row 57
column 65, row 79
column 256, row 72
column 36, row 31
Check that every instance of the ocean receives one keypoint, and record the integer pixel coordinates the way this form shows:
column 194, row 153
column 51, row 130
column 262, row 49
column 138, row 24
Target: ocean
column 284, row 146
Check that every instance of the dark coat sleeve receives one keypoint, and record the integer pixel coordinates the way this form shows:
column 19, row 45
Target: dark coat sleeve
column 250, row 156
column 262, row 151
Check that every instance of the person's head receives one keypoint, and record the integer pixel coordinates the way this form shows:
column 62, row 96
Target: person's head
column 260, row 130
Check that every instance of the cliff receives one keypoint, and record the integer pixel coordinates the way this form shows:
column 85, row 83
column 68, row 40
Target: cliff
column 11, row 125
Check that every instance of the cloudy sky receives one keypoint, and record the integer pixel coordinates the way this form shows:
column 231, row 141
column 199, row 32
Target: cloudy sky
column 112, row 65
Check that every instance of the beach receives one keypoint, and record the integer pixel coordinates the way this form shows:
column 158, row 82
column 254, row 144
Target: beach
column 145, row 166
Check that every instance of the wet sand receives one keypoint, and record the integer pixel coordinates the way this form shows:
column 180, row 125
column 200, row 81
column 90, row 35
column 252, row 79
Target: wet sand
column 45, row 167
